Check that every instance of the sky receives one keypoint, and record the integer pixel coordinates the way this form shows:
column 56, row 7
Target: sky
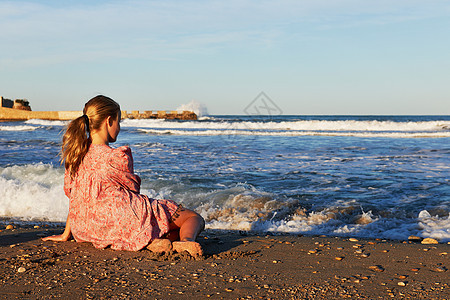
column 321, row 57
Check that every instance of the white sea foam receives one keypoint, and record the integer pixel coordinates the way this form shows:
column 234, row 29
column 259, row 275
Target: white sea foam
column 296, row 133
column 46, row 122
column 313, row 125
column 434, row 226
column 33, row 192
column 296, row 128
column 18, row 128
column 204, row 118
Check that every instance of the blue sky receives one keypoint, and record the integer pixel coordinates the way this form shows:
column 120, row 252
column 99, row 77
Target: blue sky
column 309, row 57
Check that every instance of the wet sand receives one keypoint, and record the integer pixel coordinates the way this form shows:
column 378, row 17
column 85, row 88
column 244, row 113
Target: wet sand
column 236, row 265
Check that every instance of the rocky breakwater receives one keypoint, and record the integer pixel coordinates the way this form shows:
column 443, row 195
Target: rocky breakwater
column 12, row 114
column 160, row 114
column 24, row 113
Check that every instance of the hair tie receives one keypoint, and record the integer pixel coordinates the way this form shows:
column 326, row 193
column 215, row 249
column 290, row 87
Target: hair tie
column 86, row 120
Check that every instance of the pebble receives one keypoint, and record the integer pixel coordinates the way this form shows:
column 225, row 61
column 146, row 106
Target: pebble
column 414, row 238
column 338, row 258
column 401, row 283
column 312, row 251
column 353, row 240
column 443, row 253
column 9, row 227
column 376, row 268
column 428, row 241
column 439, row 269
column 21, row 270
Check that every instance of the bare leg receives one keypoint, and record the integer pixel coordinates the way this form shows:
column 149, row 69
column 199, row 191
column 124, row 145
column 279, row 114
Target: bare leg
column 190, row 225
column 173, row 235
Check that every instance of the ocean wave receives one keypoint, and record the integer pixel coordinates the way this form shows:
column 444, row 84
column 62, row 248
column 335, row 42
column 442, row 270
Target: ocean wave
column 46, row 122
column 213, row 132
column 434, row 226
column 204, row 118
column 18, row 128
column 312, row 125
column 251, row 210
column 33, row 192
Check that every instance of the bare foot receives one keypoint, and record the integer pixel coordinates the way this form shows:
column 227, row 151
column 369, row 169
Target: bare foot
column 193, row 248
column 160, row 245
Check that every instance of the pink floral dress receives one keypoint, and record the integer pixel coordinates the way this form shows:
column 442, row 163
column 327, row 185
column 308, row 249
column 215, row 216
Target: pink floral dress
column 106, row 208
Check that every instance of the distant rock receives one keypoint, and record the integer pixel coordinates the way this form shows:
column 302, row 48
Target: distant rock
column 22, row 104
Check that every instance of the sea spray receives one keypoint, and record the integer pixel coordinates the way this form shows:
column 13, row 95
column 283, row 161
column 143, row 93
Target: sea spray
column 198, row 108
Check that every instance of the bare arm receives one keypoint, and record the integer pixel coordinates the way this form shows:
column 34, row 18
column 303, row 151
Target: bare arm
column 65, row 236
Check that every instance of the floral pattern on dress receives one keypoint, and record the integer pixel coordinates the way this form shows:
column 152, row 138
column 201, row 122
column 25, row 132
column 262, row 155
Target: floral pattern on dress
column 106, row 207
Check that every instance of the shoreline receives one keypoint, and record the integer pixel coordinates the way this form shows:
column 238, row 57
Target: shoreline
column 236, row 265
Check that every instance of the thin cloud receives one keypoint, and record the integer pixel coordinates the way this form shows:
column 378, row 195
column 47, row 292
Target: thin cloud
column 40, row 33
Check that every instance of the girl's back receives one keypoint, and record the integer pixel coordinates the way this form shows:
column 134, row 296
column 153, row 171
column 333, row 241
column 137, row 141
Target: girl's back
column 106, row 207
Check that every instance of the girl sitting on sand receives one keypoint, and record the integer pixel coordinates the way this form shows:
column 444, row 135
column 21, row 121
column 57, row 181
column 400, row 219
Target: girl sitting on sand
column 106, row 208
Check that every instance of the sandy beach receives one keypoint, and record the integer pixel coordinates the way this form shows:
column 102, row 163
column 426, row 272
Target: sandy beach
column 236, row 265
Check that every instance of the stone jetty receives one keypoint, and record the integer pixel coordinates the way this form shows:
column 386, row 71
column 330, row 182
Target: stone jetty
column 20, row 110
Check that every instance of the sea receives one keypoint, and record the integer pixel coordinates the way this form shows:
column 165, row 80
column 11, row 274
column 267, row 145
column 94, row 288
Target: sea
column 381, row 177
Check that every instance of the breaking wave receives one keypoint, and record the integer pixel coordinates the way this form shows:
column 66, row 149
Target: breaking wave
column 34, row 192
column 18, row 128
column 295, row 128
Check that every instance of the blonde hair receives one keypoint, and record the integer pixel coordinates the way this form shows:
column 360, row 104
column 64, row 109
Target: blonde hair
column 76, row 139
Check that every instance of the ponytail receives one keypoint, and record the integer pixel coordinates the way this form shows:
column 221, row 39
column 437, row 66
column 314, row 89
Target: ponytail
column 75, row 144
column 76, row 139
